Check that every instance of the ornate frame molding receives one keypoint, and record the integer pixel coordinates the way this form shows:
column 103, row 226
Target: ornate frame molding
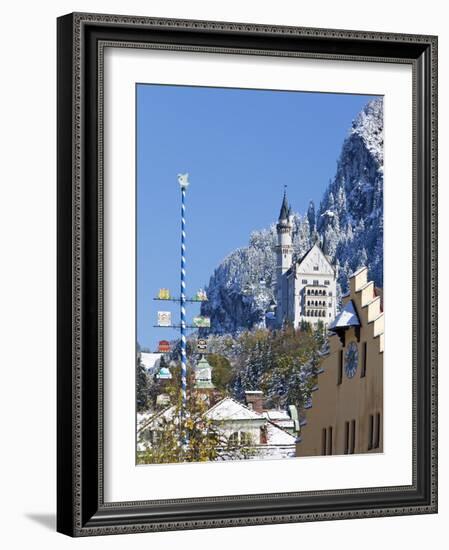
column 81, row 42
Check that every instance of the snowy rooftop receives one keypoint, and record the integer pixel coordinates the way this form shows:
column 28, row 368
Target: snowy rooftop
column 276, row 414
column 346, row 318
column 151, row 418
column 164, row 374
column 278, row 436
column 150, row 360
column 228, row 409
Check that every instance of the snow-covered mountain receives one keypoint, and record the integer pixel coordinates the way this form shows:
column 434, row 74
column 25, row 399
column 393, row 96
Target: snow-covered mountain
column 348, row 223
column 350, row 217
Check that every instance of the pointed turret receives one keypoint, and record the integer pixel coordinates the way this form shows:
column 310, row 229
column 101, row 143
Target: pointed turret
column 285, row 208
column 284, row 251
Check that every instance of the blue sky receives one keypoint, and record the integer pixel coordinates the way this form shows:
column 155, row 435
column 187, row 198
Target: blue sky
column 240, row 147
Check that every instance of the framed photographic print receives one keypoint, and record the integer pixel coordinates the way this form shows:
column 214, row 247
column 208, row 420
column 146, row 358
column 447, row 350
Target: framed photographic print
column 247, row 281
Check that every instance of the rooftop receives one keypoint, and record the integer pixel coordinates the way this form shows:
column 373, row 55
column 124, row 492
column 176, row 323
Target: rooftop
column 346, row 318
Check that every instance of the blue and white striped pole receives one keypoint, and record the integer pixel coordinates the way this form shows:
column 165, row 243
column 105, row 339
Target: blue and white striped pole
column 183, row 182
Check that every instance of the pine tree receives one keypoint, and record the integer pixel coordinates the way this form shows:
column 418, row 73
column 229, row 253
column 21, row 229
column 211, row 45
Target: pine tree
column 142, row 385
column 311, row 217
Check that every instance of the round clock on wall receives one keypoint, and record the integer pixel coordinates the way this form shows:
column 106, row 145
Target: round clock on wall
column 351, row 360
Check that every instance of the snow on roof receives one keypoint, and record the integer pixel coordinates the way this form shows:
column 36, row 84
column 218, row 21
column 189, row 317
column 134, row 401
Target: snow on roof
column 358, row 271
column 147, row 419
column 228, row 409
column 149, row 360
column 164, row 374
column 278, row 436
column 276, row 414
column 346, row 318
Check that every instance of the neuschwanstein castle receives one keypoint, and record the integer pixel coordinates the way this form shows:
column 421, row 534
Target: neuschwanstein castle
column 305, row 289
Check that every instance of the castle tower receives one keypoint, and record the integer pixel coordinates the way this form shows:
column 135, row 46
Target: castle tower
column 284, row 251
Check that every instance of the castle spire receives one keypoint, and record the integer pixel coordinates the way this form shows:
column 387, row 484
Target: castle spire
column 285, row 208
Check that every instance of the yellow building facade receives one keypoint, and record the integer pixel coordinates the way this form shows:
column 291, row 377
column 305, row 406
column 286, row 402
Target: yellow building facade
column 346, row 411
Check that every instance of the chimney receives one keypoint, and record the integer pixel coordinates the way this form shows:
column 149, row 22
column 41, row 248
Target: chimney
column 254, row 400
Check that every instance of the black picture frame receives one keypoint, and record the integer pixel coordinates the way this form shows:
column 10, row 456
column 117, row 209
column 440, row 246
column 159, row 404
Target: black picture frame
column 81, row 510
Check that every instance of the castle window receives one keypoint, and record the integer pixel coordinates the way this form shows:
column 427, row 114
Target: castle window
column 326, row 441
column 234, row 439
column 308, row 292
column 329, row 440
column 377, row 434
column 315, row 282
column 350, row 437
column 315, row 268
column 364, row 360
column 327, row 282
column 304, row 281
column 346, row 438
column 352, row 447
column 371, row 432
column 323, row 441
column 340, row 367
column 330, row 292
column 374, row 432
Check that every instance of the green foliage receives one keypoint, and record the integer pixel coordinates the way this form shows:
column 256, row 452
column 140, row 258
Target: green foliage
column 222, row 372
column 143, row 383
column 282, row 364
column 204, row 439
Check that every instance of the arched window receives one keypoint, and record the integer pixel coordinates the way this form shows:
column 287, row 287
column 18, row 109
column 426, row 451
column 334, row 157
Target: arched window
column 234, row 439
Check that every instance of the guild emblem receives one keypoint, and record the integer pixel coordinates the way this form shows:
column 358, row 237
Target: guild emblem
column 164, row 318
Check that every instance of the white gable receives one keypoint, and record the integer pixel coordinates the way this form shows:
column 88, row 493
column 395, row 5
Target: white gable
column 278, row 436
column 315, row 259
column 228, row 409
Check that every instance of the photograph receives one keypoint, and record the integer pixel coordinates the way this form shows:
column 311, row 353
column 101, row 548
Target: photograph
column 259, row 274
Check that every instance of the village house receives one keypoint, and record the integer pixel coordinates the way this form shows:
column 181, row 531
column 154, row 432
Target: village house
column 345, row 413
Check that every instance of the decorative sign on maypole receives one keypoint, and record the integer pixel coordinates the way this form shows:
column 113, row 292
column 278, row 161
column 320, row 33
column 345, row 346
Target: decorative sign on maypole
column 183, row 180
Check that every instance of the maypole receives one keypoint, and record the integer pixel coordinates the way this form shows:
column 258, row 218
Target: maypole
column 165, row 320
column 184, row 183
